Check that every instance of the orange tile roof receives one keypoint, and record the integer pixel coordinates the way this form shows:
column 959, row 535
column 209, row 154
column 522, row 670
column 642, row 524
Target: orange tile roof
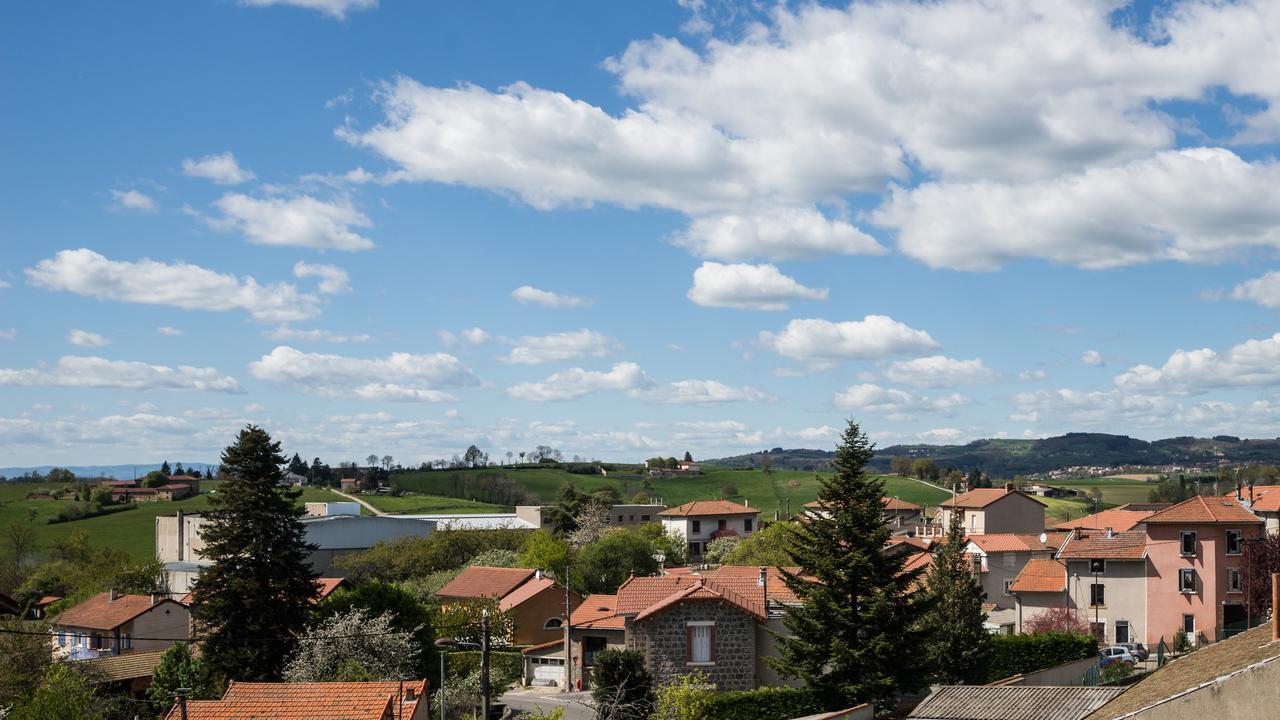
column 703, row 508
column 599, row 612
column 918, row 543
column 749, row 575
column 1017, row 542
column 1266, row 498
column 306, row 701
column 710, row 589
column 1130, row 545
column 528, row 591
column 554, row 644
column 485, row 582
column 100, row 612
column 979, row 498
column 638, row 593
column 919, row 561
column 1118, row 519
column 1203, row 510
column 1041, row 575
column 326, row 587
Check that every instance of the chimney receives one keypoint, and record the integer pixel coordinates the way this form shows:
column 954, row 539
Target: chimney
column 537, row 574
column 1275, row 603
column 112, row 595
column 763, row 582
column 1111, row 533
column 153, row 598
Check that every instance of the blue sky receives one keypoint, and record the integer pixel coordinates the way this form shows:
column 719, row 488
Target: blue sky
column 734, row 226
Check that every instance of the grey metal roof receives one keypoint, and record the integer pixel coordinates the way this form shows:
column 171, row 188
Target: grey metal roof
column 1012, row 702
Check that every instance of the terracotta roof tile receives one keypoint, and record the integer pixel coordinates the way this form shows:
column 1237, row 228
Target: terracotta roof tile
column 638, row 593
column 553, row 645
column 979, row 498
column 1130, row 545
column 597, row 611
column 305, row 701
column 129, row 666
column 100, row 612
column 528, row 591
column 1119, row 519
column 1202, row 510
column 1266, row 498
column 749, row 575
column 708, row 588
column 1041, row 575
column 703, row 508
column 485, row 582
column 326, row 587
column 1017, row 542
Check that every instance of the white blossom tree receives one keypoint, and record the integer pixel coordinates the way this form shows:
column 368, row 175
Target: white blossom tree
column 354, row 646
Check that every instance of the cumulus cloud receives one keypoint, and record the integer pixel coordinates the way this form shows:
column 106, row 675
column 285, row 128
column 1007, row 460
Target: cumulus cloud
column 336, row 9
column 299, row 221
column 170, row 331
column 132, row 200
column 471, row 336
column 1253, row 362
column 222, row 169
column 941, row 435
column 577, row 382
column 1092, row 358
column 872, row 338
column 747, row 287
column 1106, row 409
column 526, row 294
column 1263, row 290
column 1030, row 375
column 897, row 404
column 777, row 234
column 701, row 392
column 286, row 332
column 534, row 349
column 333, row 279
column 9, row 334
column 84, row 338
column 177, row 284
column 96, row 372
column 399, row 376
column 939, row 371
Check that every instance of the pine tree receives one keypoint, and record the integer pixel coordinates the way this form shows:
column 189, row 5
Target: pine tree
column 957, row 646
column 855, row 637
column 164, row 468
column 255, row 598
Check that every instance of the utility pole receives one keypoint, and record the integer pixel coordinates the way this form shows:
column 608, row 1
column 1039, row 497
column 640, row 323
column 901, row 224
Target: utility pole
column 568, row 654
column 484, row 664
column 182, row 701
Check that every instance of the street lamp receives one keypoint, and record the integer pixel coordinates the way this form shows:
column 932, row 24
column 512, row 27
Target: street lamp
column 441, row 644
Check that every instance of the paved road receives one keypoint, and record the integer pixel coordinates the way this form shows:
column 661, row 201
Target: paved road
column 353, row 498
column 535, row 701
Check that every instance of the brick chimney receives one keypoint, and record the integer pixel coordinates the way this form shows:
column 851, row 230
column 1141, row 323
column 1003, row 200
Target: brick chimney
column 112, row 595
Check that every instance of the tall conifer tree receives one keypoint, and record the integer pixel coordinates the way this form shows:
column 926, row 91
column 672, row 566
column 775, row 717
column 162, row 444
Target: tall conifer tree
column 957, row 646
column 856, row 636
column 255, row 598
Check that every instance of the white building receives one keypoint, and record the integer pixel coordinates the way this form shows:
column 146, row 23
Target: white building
column 701, row 521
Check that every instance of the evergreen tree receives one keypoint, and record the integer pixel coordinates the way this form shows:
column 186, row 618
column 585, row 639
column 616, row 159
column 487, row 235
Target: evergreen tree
column 688, row 456
column 297, row 466
column 855, row 637
column 957, row 647
column 164, row 468
column 255, row 597
column 179, row 470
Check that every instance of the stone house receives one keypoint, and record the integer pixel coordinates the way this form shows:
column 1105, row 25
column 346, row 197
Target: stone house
column 701, row 521
column 993, row 510
column 113, row 624
column 595, row 626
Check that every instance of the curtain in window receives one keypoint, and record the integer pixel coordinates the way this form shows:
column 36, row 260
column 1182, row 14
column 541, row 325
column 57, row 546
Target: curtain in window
column 700, row 638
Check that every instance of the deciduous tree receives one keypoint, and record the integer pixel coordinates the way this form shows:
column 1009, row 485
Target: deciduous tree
column 355, row 645
column 621, row 686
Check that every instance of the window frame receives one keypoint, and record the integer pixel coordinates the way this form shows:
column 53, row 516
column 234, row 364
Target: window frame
column 1128, row 631
column 1008, row 584
column 748, row 525
column 1238, row 585
column 559, row 623
column 1192, row 631
column 1183, row 536
column 1239, row 542
column 1183, row 574
column 1097, row 591
column 690, row 649
column 695, row 526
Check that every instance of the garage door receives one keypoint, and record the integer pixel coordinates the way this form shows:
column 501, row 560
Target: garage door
column 549, row 671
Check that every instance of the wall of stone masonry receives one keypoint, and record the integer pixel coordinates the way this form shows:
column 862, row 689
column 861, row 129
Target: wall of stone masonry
column 663, row 640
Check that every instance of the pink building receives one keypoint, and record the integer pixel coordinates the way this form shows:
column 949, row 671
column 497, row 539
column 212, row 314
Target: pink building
column 1194, row 553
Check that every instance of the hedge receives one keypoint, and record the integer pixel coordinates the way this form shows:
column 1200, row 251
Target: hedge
column 767, row 703
column 1015, row 654
column 502, row 664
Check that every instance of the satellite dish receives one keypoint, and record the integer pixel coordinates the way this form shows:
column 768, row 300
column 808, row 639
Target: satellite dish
column 1044, row 537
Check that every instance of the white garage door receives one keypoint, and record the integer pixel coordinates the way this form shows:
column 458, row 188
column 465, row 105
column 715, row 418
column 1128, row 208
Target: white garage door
column 548, row 671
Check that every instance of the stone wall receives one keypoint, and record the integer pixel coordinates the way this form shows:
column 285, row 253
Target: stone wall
column 663, row 640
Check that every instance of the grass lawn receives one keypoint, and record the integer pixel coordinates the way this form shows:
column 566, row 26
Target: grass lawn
column 1115, row 490
column 1059, row 509
column 428, row 504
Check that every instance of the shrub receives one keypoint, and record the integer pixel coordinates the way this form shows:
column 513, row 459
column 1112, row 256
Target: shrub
column 504, row 667
column 720, row 548
column 689, row 698
column 622, row 687
column 1181, row 641
column 768, row 703
column 1115, row 672
column 1015, row 654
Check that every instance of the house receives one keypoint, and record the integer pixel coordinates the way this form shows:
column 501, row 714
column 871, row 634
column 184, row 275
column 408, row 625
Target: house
column 40, row 606
column 1012, row 702
column 1040, row 587
column 325, row 509
column 994, row 510
column 621, row 514
column 701, row 521
column 1119, row 519
column 312, row 701
column 1264, row 501
column 348, row 484
column 190, row 481
column 689, row 466
column 1108, row 579
column 1194, row 581
column 114, row 624
column 293, row 479
column 129, row 674
column 594, row 626
column 897, row 513
column 535, row 602
column 999, row 557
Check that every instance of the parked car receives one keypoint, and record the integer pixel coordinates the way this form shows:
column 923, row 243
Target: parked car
column 1138, row 650
column 1116, row 653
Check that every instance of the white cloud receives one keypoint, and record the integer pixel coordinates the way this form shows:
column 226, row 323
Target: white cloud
column 940, row 371
column 1092, row 358
column 1253, row 362
column 132, row 200
column 1263, row 290
column 577, row 382
column 222, row 168
column 96, row 372
column 1194, row 205
column 84, row 338
column 777, row 234
column 824, row 434
column 170, row 331
column 701, row 392
column 333, row 279
column 399, row 376
column 9, row 334
column 1099, row 409
column 475, row 336
column 526, row 294
column 300, row 221
column 747, row 287
column 941, row 435
column 336, row 9
column 898, row 404
column 177, row 284
column 533, row 350
column 872, row 338
column 1030, row 375
column 5, row 284
column 284, row 332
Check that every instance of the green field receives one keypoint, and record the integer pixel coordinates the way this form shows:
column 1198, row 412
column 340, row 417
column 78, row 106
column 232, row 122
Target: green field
column 427, row 505
column 1115, row 491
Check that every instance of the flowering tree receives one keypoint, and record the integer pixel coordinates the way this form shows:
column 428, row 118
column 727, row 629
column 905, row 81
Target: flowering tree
column 354, row 646
column 1261, row 558
column 1061, row 619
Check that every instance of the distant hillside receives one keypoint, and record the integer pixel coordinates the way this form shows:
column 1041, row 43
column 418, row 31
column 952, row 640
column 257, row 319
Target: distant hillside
column 1006, row 458
column 122, row 472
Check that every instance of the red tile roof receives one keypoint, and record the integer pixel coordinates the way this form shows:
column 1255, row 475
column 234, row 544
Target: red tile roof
column 1017, row 542
column 979, row 498
column 599, row 612
column 704, row 508
column 307, row 701
column 746, row 576
column 1041, row 575
column 528, row 591
column 100, row 612
column 1203, row 510
column 1087, row 545
column 485, row 582
column 534, row 649
column 326, row 586
column 1119, row 519
column 1265, row 498
column 710, row 589
column 638, row 593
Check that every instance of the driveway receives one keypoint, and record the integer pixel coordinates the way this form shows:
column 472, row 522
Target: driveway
column 543, row 700
column 353, row 498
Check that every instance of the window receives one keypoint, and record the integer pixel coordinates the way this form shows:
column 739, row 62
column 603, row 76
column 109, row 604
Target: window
column 552, row 624
column 1235, row 542
column 1098, row 565
column 127, row 642
column 722, row 524
column 697, row 526
column 701, row 638
column 746, row 525
column 1007, row 584
column 1188, row 543
column 62, row 637
column 977, row 564
column 1189, row 624
column 1233, row 579
column 1122, row 631
column 619, row 519
column 1187, row 580
column 973, row 522
column 1097, row 595
column 644, row 518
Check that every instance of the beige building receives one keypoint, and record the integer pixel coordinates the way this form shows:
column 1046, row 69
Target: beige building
column 112, row 624
column 1000, row 557
column 994, row 510
column 701, row 521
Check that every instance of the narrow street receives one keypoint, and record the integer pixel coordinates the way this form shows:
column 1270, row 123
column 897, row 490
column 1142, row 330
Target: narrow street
column 576, row 705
